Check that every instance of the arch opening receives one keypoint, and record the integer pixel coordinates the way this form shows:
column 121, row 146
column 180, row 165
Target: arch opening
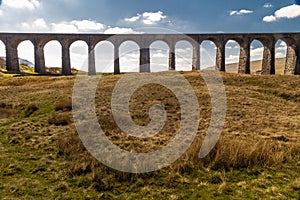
column 53, row 57
column 256, row 57
column 2, row 55
column 26, row 56
column 129, row 53
column 79, row 55
column 104, row 57
column 232, row 56
column 208, row 54
column 159, row 56
column 184, row 55
column 280, row 56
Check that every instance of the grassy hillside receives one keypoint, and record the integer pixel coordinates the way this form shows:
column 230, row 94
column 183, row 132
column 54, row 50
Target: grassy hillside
column 257, row 157
column 2, row 63
column 25, row 70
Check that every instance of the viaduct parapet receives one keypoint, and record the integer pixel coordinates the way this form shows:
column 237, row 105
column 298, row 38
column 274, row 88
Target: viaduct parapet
column 292, row 66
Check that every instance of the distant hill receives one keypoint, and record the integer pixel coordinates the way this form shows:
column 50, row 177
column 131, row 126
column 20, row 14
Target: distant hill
column 26, row 62
column 230, row 68
column 257, row 66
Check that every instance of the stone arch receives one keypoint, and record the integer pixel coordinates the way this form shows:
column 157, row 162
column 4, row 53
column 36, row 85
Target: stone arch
column 256, row 56
column 213, row 39
column 159, row 56
column 53, row 56
column 2, row 55
column 20, row 40
column 232, row 56
column 184, row 55
column 280, row 56
column 45, row 41
column 68, row 42
column 163, row 39
column 79, row 55
column 240, row 40
column 129, row 54
column 26, row 56
column 104, row 56
column 208, row 54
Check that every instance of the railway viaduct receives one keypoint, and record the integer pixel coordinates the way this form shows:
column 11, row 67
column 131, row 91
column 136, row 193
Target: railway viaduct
column 39, row 40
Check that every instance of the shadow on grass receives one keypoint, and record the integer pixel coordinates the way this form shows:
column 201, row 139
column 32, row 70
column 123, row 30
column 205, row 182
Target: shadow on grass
column 17, row 74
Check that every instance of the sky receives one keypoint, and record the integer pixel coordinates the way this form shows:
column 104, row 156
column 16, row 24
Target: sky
column 133, row 16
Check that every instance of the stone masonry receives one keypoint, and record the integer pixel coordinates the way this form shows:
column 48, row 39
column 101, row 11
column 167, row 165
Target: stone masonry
column 12, row 40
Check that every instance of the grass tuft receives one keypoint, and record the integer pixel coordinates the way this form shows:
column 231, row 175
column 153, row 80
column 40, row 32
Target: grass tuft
column 60, row 119
column 64, row 104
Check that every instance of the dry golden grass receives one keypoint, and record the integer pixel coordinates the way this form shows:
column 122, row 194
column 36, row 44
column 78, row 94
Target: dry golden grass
column 258, row 132
column 42, row 155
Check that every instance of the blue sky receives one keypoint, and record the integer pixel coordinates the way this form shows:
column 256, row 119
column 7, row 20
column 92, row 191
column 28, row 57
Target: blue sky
column 193, row 16
column 128, row 16
column 204, row 16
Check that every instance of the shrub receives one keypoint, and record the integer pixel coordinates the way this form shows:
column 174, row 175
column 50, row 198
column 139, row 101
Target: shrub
column 59, row 119
column 64, row 104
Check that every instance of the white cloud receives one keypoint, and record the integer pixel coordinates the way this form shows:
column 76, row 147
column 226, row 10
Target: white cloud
column 133, row 19
column 280, row 55
column 21, row 4
column 37, row 25
column 232, row 58
column 268, row 5
column 148, row 18
column 160, row 55
column 257, row 52
column 240, row 12
column 153, row 17
column 184, row 51
column 118, row 30
column 270, row 18
column 63, row 27
column 87, row 25
column 289, row 12
column 1, row 12
column 74, row 26
column 281, row 48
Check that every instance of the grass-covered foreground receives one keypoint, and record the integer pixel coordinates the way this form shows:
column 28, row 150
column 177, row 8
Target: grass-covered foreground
column 257, row 157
